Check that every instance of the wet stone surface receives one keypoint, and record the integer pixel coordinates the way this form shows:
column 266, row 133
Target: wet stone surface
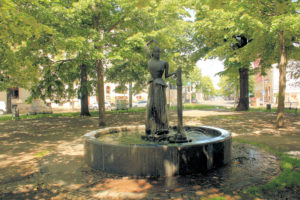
column 250, row 166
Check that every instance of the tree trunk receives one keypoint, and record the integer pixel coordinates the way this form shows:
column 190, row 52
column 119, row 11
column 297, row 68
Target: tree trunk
column 100, row 89
column 84, row 92
column 130, row 95
column 244, row 90
column 8, row 100
column 282, row 81
column 100, row 73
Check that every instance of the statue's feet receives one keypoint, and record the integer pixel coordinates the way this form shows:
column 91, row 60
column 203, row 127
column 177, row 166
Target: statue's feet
column 156, row 138
column 162, row 132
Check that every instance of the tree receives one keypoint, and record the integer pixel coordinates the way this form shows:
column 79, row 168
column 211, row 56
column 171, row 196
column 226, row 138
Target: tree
column 19, row 30
column 219, row 34
column 162, row 21
column 195, row 76
column 281, row 22
column 293, row 72
column 271, row 26
column 229, row 85
column 92, row 32
column 207, row 87
column 84, row 91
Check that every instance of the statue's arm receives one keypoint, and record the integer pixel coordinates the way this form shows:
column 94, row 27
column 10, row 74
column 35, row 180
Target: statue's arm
column 147, row 51
column 147, row 48
column 167, row 75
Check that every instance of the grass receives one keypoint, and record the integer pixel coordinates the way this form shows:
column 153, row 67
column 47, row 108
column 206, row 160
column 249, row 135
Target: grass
column 38, row 116
column 274, row 110
column 42, row 153
column 198, row 107
column 95, row 113
column 134, row 110
column 71, row 114
column 288, row 178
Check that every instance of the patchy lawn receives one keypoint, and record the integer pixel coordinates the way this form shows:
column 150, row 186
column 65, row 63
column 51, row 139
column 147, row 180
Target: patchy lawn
column 42, row 158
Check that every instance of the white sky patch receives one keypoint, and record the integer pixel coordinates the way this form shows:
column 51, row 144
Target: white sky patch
column 209, row 68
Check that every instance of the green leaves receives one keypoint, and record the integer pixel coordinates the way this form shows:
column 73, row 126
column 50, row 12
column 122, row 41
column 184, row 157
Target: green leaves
column 259, row 21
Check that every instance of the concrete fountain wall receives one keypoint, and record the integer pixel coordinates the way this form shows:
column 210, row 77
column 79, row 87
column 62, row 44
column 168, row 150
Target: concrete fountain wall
column 158, row 159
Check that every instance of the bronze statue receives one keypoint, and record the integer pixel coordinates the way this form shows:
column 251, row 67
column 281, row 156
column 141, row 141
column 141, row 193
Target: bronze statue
column 157, row 117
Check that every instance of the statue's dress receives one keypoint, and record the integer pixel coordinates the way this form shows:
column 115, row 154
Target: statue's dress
column 156, row 117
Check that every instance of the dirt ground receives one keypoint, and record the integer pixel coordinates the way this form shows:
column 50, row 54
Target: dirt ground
column 42, row 158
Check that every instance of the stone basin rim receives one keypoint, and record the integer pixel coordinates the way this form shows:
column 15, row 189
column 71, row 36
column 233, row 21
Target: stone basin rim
column 92, row 136
column 156, row 159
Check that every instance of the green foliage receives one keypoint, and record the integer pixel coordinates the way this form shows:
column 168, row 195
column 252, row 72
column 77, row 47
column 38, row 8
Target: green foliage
column 18, row 51
column 193, row 76
column 229, row 83
column 207, row 87
column 201, row 107
column 228, row 86
column 162, row 21
column 259, row 21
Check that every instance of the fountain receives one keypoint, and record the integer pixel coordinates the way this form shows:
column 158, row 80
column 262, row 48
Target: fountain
column 163, row 150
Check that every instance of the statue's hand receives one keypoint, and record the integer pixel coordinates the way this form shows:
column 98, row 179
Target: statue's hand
column 175, row 76
column 151, row 42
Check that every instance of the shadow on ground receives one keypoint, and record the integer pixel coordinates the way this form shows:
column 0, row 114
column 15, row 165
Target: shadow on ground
column 43, row 159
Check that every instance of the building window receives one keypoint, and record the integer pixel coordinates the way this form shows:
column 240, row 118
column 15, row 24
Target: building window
column 15, row 93
column 121, row 89
column 107, row 90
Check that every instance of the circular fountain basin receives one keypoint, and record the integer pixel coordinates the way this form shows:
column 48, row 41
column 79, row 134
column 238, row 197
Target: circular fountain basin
column 120, row 150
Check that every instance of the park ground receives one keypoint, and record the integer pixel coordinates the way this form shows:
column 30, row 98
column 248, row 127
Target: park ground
column 42, row 158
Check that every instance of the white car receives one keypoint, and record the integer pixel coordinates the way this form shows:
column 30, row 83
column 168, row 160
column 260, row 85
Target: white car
column 141, row 104
column 2, row 107
column 94, row 106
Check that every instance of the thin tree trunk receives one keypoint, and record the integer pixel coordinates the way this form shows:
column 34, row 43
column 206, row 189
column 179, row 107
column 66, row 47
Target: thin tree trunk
column 8, row 100
column 100, row 89
column 130, row 95
column 244, row 90
column 282, row 81
column 84, row 92
column 100, row 74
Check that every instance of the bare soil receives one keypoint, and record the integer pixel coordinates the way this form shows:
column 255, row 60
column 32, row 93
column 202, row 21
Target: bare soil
column 43, row 158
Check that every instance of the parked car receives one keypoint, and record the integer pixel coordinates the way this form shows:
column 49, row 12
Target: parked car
column 2, row 107
column 121, row 104
column 141, row 104
column 107, row 106
column 94, row 106
column 194, row 101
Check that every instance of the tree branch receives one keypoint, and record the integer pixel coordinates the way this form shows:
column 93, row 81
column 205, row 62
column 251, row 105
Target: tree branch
column 114, row 25
column 63, row 61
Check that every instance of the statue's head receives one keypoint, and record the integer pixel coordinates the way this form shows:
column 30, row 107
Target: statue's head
column 156, row 52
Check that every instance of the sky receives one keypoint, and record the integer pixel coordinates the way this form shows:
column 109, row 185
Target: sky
column 209, row 68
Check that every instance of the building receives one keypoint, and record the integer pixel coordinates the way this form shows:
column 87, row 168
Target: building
column 266, row 88
column 37, row 106
column 19, row 96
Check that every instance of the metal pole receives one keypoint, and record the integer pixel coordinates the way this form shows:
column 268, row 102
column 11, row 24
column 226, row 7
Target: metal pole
column 179, row 99
column 180, row 137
